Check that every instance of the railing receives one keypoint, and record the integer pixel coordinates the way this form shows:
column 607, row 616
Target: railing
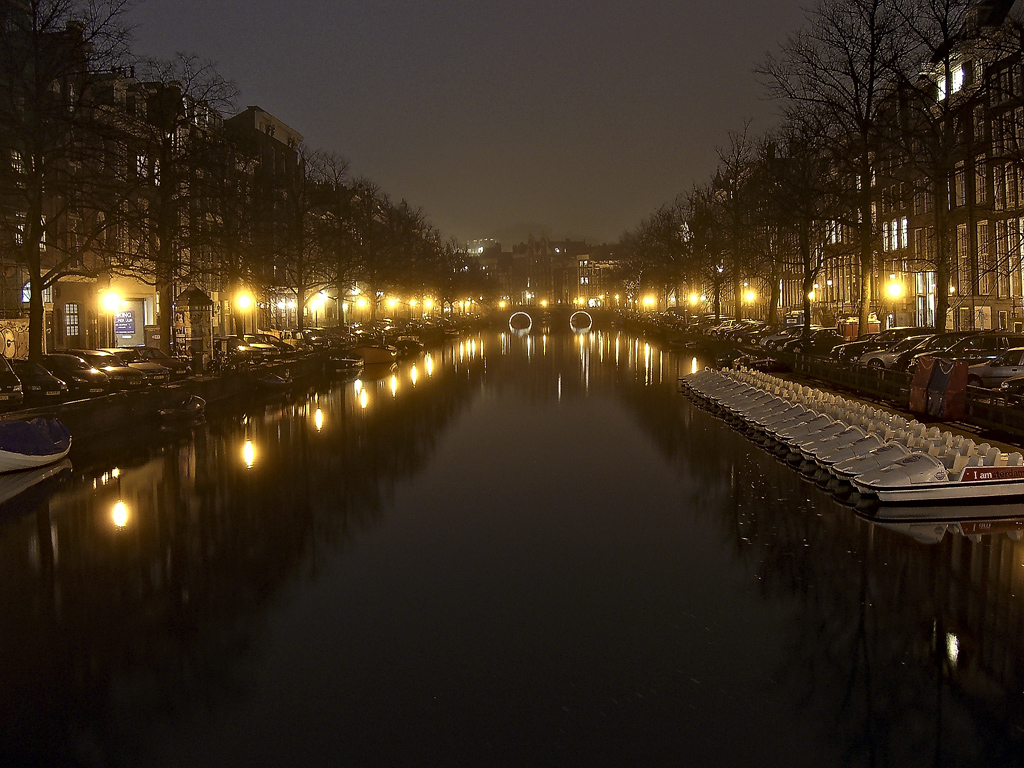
column 987, row 409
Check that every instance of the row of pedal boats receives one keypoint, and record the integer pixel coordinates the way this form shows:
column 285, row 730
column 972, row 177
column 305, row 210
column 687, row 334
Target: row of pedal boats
column 855, row 449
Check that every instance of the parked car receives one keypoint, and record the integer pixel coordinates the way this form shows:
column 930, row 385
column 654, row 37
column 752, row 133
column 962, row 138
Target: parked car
column 231, row 352
column 1013, row 387
column 121, row 376
column 774, row 341
column 940, row 342
column 38, row 385
column 755, row 338
column 265, row 338
column 304, row 339
column 178, row 367
column 129, row 356
column 82, row 378
column 11, row 395
column 994, row 372
column 155, row 373
column 265, row 350
column 887, row 356
column 854, row 350
column 983, row 346
column 820, row 342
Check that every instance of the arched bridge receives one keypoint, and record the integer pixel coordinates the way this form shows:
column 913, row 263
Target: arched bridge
column 559, row 319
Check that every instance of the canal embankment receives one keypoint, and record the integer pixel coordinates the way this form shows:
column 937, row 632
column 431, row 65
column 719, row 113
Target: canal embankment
column 96, row 416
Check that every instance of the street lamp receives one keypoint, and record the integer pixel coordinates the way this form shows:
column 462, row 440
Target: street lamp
column 112, row 303
column 894, row 290
column 315, row 304
column 244, row 302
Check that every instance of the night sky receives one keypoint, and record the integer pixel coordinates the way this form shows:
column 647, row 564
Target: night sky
column 498, row 119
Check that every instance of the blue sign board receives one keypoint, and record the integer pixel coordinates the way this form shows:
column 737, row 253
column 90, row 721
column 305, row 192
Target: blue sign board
column 124, row 323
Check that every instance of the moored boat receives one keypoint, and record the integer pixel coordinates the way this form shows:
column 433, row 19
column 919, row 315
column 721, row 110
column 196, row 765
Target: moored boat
column 374, row 354
column 190, row 407
column 924, row 477
column 33, row 443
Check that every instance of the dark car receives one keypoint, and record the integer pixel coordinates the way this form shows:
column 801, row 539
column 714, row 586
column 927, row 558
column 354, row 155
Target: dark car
column 940, row 342
column 775, row 341
column 178, row 367
column 265, row 350
column 820, row 342
column 284, row 348
column 11, row 395
column 983, row 346
column 852, row 351
column 155, row 373
column 38, row 384
column 1013, row 387
column 231, row 351
column 82, row 378
column 121, row 376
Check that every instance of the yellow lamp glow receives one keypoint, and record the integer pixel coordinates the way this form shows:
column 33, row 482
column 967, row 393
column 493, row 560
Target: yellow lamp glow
column 361, row 303
column 749, row 296
column 895, row 290
column 249, row 454
column 111, row 301
column 648, row 301
column 693, row 298
column 392, row 302
column 120, row 514
column 244, row 301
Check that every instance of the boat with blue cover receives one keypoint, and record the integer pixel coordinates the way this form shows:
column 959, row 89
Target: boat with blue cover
column 32, row 443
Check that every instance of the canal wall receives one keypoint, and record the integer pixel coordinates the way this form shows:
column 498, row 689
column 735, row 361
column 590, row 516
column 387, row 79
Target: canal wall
column 122, row 410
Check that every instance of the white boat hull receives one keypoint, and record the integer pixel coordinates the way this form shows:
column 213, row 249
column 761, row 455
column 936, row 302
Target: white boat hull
column 16, row 462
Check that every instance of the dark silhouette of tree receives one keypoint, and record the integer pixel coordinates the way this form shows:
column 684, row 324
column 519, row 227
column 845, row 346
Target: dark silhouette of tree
column 53, row 53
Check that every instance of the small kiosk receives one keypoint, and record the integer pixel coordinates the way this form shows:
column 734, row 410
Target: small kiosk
column 193, row 327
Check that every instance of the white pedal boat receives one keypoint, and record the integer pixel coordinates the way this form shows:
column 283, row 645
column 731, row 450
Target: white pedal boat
column 922, row 477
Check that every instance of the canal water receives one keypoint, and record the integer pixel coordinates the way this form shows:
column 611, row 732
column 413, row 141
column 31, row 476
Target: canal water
column 509, row 551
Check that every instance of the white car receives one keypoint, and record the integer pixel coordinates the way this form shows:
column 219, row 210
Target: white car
column 994, row 372
column 886, row 357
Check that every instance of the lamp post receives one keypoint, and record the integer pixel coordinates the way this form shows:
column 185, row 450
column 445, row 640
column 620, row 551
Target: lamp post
column 244, row 302
column 111, row 302
column 895, row 290
column 315, row 304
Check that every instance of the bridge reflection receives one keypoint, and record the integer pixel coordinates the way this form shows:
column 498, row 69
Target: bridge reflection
column 522, row 320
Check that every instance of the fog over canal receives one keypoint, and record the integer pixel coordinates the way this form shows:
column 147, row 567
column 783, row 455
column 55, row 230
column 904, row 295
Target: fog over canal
column 512, row 551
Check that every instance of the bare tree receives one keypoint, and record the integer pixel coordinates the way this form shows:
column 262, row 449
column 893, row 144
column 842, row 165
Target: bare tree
column 53, row 52
column 174, row 172
column 840, row 68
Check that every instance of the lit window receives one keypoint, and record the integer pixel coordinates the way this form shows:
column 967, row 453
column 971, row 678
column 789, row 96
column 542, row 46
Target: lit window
column 71, row 320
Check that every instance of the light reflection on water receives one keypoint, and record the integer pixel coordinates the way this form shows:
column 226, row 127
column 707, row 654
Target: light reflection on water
column 512, row 548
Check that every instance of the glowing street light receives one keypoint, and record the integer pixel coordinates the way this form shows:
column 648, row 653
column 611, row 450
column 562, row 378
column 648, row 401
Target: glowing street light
column 245, row 302
column 111, row 303
column 119, row 514
column 894, row 289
